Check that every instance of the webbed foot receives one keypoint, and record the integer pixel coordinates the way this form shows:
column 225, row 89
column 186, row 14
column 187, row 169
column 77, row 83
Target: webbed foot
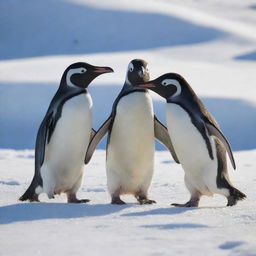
column 188, row 204
column 32, row 198
column 73, row 199
column 193, row 202
column 146, row 201
column 117, row 200
column 235, row 196
column 142, row 199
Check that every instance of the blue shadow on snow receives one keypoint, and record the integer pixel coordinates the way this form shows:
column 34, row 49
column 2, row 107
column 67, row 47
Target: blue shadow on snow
column 176, row 226
column 40, row 211
column 249, row 56
column 160, row 211
column 9, row 183
column 230, row 245
column 57, row 27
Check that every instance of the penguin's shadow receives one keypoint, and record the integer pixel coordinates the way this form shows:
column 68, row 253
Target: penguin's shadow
column 176, row 226
column 160, row 211
column 41, row 211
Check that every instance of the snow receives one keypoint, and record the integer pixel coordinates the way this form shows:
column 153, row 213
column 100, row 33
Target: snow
column 97, row 228
column 211, row 43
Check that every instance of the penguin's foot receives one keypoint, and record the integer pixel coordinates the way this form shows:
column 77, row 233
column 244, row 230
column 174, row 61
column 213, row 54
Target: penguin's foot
column 73, row 199
column 79, row 201
column 235, row 196
column 231, row 201
column 32, row 198
column 142, row 199
column 146, row 201
column 188, row 204
column 117, row 200
column 193, row 202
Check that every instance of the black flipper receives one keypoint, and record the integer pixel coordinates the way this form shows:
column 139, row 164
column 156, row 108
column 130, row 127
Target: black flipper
column 96, row 139
column 39, row 159
column 161, row 134
column 93, row 132
column 41, row 140
column 214, row 131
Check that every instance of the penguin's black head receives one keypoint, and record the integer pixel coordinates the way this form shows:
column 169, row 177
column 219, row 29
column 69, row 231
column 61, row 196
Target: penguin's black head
column 169, row 86
column 80, row 74
column 137, row 72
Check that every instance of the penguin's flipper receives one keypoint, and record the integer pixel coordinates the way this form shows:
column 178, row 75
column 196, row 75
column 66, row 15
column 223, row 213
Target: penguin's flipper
column 96, row 139
column 214, row 131
column 41, row 139
column 93, row 132
column 162, row 135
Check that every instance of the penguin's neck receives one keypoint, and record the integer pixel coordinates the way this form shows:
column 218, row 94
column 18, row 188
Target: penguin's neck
column 128, row 87
column 64, row 87
column 188, row 101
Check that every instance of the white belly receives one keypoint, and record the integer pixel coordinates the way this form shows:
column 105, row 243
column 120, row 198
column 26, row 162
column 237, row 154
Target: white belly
column 64, row 156
column 191, row 150
column 130, row 156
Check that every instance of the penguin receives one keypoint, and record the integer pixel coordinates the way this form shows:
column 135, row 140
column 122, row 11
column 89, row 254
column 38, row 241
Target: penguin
column 131, row 129
column 64, row 135
column 197, row 140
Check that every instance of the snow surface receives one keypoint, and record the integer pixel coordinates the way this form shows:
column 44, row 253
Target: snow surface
column 211, row 42
column 54, row 227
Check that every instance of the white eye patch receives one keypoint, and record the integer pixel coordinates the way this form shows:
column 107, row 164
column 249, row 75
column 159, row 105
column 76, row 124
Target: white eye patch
column 174, row 82
column 142, row 72
column 130, row 67
column 72, row 72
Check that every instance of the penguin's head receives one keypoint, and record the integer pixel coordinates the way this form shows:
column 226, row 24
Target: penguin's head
column 80, row 74
column 169, row 86
column 137, row 72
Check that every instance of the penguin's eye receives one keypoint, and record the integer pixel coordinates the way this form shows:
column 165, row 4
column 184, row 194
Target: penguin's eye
column 164, row 83
column 131, row 69
column 83, row 70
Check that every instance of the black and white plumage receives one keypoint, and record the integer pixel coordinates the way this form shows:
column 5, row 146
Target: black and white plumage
column 197, row 139
column 64, row 135
column 131, row 129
